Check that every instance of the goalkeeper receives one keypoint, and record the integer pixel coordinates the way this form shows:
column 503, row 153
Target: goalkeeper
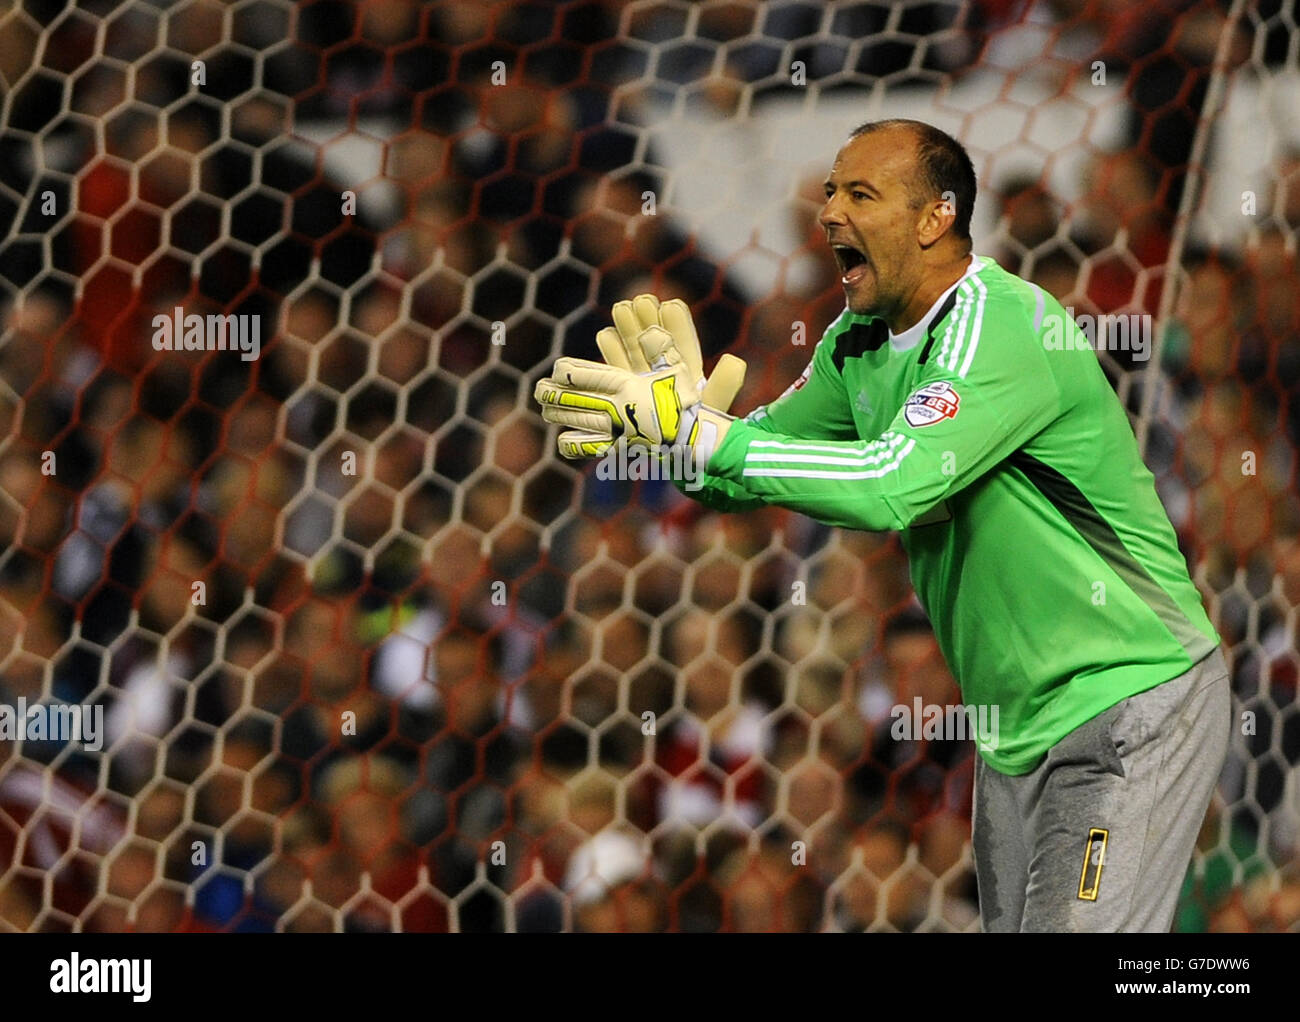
column 960, row 405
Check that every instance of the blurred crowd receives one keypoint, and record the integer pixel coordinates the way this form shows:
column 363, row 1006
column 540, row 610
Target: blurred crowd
column 371, row 657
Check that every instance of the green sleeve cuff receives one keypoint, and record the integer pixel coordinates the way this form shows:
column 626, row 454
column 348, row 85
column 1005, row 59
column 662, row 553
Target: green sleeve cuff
column 729, row 459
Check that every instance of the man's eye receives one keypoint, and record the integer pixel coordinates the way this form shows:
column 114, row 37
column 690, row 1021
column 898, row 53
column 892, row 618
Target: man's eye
column 861, row 195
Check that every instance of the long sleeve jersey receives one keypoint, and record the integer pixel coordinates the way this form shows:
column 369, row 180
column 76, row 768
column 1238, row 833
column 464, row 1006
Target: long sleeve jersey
column 989, row 437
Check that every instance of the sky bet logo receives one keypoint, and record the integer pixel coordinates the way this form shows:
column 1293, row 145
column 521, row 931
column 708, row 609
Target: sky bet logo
column 932, row 403
column 76, row 975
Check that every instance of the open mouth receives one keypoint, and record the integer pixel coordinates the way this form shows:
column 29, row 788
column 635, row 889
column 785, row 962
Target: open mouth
column 853, row 264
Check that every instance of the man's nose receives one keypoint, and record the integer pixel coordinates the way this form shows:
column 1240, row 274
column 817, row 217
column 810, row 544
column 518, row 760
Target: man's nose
column 830, row 215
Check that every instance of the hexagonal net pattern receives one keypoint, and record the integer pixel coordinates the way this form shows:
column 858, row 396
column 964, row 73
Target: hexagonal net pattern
column 353, row 649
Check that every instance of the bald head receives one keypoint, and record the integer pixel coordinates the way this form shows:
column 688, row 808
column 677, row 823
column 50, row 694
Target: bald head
column 940, row 163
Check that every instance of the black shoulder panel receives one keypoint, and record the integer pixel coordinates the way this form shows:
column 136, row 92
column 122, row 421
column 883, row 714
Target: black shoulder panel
column 939, row 317
column 859, row 339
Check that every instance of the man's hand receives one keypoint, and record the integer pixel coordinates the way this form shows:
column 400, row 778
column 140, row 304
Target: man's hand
column 618, row 344
column 655, row 407
column 623, row 348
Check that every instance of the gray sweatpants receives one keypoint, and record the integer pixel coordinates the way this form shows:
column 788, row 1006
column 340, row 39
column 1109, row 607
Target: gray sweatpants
column 1099, row 836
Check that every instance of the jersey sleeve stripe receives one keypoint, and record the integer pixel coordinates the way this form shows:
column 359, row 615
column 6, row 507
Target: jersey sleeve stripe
column 808, row 473
column 819, row 454
column 975, row 328
column 820, row 459
column 785, row 445
column 963, row 329
column 958, row 324
column 1039, row 308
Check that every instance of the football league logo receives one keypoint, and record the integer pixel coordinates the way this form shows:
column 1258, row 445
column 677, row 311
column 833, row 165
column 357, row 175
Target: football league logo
column 932, row 403
column 803, row 378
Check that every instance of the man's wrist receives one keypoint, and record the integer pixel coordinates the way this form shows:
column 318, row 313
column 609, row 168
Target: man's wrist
column 705, row 433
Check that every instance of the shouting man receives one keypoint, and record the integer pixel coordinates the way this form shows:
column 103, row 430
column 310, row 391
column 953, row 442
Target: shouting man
column 942, row 404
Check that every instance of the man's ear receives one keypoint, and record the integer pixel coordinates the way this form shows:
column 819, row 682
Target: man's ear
column 937, row 218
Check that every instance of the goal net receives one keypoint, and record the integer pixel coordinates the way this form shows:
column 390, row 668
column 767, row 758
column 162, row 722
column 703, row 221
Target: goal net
column 304, row 625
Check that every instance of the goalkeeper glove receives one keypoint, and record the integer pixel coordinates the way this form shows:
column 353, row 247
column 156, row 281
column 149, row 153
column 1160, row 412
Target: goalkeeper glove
column 624, row 346
column 651, row 408
column 619, row 346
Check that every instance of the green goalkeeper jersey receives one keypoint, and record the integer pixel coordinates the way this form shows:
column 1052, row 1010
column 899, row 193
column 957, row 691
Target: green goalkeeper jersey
column 988, row 435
